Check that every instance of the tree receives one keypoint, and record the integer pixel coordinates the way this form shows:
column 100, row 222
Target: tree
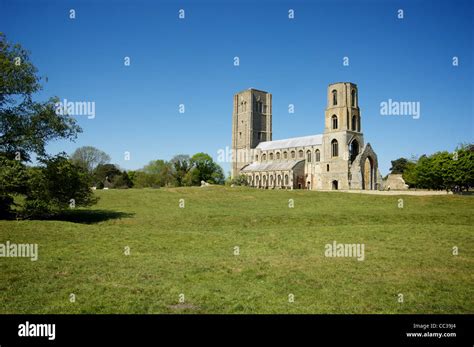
column 207, row 169
column 442, row 170
column 105, row 173
column 55, row 186
column 13, row 180
column 399, row 165
column 409, row 174
column 89, row 158
column 122, row 181
column 181, row 166
column 142, row 179
column 163, row 171
column 463, row 166
column 26, row 126
column 240, row 180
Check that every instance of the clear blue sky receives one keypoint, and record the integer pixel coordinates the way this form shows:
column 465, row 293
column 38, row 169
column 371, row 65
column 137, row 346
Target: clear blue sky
column 190, row 61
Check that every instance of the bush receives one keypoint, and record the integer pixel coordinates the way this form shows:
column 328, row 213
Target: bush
column 241, row 180
column 192, row 178
column 38, row 209
column 103, row 173
column 122, row 181
column 55, row 186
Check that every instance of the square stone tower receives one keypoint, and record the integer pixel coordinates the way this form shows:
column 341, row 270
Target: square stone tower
column 251, row 124
column 342, row 138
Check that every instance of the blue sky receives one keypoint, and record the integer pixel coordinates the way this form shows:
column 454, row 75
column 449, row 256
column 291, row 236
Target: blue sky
column 190, row 62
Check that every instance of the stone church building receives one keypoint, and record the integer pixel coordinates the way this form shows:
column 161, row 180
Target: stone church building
column 337, row 159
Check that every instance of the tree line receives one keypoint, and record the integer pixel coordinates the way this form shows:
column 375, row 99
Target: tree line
column 439, row 171
column 181, row 171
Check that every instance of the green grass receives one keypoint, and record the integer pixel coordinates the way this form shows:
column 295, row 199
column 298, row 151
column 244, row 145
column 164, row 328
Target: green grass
column 190, row 250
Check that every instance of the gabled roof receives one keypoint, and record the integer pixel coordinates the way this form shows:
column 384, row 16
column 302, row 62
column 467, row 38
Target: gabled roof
column 272, row 165
column 293, row 142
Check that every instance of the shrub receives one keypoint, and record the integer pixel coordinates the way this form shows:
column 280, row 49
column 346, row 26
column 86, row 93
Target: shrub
column 241, row 180
column 55, row 186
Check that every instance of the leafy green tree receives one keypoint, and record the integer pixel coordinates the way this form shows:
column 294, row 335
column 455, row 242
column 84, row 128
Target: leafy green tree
column 13, row 180
column 142, row 179
column 207, row 169
column 89, row 158
column 399, row 165
column 423, row 171
column 409, row 174
column 181, row 166
column 163, row 171
column 192, row 178
column 54, row 186
column 442, row 170
column 463, row 166
column 26, row 126
column 105, row 173
column 122, row 181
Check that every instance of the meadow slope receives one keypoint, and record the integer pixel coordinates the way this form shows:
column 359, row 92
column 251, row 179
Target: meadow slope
column 190, row 251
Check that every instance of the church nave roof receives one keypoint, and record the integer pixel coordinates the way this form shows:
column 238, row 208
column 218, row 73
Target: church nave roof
column 272, row 165
column 312, row 140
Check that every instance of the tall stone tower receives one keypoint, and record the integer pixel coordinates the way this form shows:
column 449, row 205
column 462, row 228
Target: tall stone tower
column 343, row 103
column 251, row 124
column 342, row 138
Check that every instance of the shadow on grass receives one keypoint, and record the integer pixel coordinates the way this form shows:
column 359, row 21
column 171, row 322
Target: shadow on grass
column 90, row 216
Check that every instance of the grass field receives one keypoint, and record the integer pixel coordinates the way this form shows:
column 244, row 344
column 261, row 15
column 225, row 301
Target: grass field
column 190, row 251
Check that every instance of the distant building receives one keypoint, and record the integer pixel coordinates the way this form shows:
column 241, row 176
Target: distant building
column 337, row 159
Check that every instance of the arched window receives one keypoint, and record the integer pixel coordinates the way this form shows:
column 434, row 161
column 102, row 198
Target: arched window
column 334, row 121
column 264, row 157
column 353, row 98
column 286, row 180
column 334, row 97
column 278, row 155
column 256, row 157
column 308, row 156
column 327, row 167
column 334, row 148
column 285, row 155
column 300, row 154
column 317, row 155
column 293, row 154
column 271, row 156
column 353, row 150
column 354, row 123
